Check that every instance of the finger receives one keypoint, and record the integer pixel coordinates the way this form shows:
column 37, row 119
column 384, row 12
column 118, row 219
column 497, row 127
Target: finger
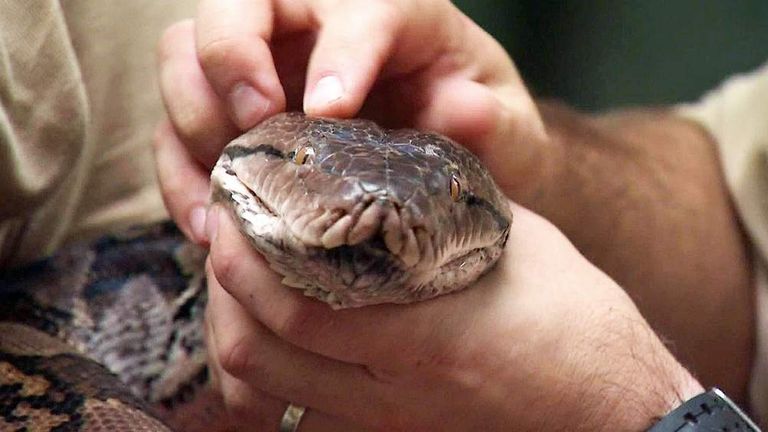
column 500, row 125
column 354, row 41
column 233, row 49
column 345, row 335
column 505, row 135
column 257, row 411
column 423, row 332
column 248, row 407
column 196, row 112
column 488, row 109
column 249, row 357
column 183, row 183
column 243, row 405
column 461, row 109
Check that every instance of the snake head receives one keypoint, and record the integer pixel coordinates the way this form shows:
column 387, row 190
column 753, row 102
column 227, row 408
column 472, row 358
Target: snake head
column 356, row 214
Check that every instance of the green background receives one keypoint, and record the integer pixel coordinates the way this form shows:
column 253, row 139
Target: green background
column 597, row 54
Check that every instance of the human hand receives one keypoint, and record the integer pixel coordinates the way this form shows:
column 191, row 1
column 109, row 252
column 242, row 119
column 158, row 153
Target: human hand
column 415, row 63
column 545, row 341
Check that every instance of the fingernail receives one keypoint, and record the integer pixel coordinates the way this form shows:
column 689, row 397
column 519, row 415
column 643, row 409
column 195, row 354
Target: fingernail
column 197, row 217
column 326, row 91
column 212, row 223
column 248, row 105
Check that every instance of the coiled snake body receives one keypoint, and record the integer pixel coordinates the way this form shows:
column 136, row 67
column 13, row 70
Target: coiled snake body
column 107, row 335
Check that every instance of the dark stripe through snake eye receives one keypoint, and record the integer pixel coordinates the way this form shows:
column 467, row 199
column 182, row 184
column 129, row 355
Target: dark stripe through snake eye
column 238, row 151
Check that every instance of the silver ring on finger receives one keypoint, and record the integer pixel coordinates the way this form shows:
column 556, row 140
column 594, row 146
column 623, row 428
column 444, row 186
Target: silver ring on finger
column 291, row 418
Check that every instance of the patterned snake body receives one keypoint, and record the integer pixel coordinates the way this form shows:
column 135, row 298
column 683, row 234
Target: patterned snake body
column 351, row 213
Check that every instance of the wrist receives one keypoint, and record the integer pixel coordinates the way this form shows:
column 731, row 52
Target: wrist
column 639, row 383
column 664, row 386
column 686, row 389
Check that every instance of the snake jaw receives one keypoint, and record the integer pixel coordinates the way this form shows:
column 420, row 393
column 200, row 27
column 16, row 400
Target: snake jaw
column 363, row 272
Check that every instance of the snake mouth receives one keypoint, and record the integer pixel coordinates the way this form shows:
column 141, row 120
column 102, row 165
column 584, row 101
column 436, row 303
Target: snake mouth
column 259, row 202
column 374, row 227
column 258, row 219
column 227, row 182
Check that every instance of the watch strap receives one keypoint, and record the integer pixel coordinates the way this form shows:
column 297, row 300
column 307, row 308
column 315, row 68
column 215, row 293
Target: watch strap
column 710, row 411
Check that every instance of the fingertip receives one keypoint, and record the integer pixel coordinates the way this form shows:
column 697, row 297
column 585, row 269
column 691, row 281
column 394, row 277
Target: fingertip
column 198, row 224
column 248, row 105
column 210, row 226
column 355, row 40
column 183, row 182
column 172, row 37
column 243, row 74
column 321, row 98
column 232, row 46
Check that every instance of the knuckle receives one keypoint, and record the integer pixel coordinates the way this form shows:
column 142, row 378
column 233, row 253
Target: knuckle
column 293, row 325
column 302, row 324
column 191, row 122
column 202, row 130
column 227, row 59
column 236, row 355
column 172, row 37
column 218, row 51
column 227, row 265
column 390, row 14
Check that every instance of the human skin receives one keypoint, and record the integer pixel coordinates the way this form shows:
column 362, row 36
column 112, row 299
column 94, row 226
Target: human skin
column 642, row 195
column 623, row 187
column 545, row 341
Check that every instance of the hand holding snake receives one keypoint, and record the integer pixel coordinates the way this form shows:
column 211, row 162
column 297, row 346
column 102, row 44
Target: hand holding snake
column 525, row 333
column 356, row 215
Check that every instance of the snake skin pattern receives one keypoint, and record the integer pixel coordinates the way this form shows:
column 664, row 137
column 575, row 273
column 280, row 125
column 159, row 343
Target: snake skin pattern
column 129, row 305
column 107, row 336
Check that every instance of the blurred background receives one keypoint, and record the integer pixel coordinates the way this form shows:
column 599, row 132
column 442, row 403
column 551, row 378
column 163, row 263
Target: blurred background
column 597, row 54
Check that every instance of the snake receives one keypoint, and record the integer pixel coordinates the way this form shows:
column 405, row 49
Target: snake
column 107, row 334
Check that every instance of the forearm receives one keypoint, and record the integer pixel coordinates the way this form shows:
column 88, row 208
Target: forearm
column 661, row 223
column 638, row 381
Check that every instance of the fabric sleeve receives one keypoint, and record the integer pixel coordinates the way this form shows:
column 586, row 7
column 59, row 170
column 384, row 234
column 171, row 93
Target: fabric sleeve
column 79, row 102
column 43, row 117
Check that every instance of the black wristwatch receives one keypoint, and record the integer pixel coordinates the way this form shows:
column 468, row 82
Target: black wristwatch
column 708, row 412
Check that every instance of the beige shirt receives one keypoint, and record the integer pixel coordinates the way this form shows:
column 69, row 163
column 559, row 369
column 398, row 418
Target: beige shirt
column 78, row 107
column 736, row 115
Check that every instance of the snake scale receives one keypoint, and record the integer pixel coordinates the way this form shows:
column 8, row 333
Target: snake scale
column 107, row 335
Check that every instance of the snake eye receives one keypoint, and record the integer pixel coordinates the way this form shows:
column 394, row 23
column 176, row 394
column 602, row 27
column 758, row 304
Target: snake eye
column 455, row 188
column 304, row 155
